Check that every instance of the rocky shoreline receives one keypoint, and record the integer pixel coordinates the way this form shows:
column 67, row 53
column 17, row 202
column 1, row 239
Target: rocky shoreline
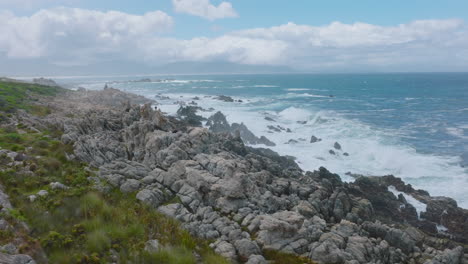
column 246, row 200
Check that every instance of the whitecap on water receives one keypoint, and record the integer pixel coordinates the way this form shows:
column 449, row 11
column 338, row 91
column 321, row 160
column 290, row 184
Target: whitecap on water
column 419, row 206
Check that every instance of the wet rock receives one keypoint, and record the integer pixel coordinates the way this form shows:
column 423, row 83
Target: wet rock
column 314, row 139
column 337, row 146
column 444, row 211
column 248, row 137
column 218, row 123
column 188, row 114
column 225, row 98
column 273, row 128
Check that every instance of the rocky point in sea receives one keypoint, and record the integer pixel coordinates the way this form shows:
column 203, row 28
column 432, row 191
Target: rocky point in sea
column 250, row 200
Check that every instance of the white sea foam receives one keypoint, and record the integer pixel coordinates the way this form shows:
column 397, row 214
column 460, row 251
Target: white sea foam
column 441, row 229
column 265, row 86
column 297, row 89
column 456, row 132
column 371, row 151
column 419, row 206
column 289, row 95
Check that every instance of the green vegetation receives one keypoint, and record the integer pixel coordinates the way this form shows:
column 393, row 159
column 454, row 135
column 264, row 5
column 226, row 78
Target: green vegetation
column 280, row 257
column 81, row 225
column 15, row 96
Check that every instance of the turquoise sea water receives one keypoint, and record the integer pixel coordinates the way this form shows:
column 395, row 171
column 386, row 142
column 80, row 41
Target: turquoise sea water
column 411, row 125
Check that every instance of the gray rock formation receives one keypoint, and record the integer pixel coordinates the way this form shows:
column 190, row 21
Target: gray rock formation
column 218, row 124
column 225, row 98
column 314, row 139
column 188, row 114
column 247, row 200
column 337, row 146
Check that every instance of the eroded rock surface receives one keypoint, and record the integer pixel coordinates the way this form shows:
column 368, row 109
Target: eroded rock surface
column 247, row 200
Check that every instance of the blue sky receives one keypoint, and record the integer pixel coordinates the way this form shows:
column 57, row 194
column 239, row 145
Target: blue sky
column 311, row 35
column 267, row 13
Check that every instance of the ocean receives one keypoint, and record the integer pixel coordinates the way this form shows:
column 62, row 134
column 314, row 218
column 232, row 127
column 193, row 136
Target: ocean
column 411, row 125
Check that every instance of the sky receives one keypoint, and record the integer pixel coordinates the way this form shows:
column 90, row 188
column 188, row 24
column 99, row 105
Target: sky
column 67, row 36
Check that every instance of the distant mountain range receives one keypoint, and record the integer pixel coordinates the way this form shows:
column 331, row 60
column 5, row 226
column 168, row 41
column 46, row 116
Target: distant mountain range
column 37, row 67
column 218, row 68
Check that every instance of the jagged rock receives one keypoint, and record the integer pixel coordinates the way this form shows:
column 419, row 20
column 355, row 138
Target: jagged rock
column 218, row 124
column 444, row 211
column 188, row 114
column 250, row 199
column 248, row 137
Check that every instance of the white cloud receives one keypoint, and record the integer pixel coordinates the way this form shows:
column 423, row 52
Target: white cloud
column 69, row 36
column 61, row 31
column 203, row 8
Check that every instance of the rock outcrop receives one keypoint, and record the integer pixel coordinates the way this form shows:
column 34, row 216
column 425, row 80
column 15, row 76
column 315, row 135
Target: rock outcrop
column 248, row 200
column 218, row 124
